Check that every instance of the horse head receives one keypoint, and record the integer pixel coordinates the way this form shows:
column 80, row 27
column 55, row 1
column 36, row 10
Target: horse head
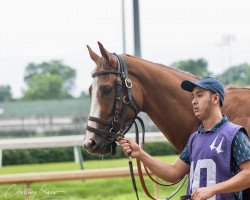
column 113, row 103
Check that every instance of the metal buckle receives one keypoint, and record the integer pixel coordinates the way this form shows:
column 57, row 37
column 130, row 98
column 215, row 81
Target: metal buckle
column 119, row 135
column 124, row 100
column 128, row 83
column 118, row 80
column 112, row 129
column 115, row 119
column 123, row 75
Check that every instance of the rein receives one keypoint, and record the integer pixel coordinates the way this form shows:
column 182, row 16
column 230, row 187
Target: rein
column 139, row 168
column 117, row 127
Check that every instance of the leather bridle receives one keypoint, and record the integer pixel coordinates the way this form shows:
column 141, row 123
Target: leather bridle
column 117, row 127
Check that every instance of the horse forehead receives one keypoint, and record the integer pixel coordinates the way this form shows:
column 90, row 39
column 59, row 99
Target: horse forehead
column 98, row 81
column 103, row 65
column 105, row 79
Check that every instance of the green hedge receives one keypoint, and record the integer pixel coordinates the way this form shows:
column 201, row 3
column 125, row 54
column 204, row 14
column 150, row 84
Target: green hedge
column 29, row 156
column 47, row 155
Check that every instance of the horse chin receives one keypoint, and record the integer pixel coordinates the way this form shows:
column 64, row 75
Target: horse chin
column 102, row 150
column 105, row 150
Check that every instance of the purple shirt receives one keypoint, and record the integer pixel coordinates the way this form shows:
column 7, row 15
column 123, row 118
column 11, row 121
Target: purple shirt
column 210, row 156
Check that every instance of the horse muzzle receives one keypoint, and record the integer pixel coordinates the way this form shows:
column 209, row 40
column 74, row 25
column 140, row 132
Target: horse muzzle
column 96, row 145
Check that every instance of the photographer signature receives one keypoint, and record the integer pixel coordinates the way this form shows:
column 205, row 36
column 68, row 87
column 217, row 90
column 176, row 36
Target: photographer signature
column 42, row 193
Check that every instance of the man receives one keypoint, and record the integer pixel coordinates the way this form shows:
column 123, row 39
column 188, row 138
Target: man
column 217, row 156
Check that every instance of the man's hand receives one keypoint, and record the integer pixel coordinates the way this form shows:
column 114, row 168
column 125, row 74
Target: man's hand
column 130, row 148
column 202, row 193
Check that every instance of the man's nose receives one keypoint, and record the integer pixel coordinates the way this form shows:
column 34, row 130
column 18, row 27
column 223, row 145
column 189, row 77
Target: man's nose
column 194, row 102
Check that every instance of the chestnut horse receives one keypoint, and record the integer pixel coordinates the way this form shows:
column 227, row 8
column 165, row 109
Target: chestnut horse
column 155, row 90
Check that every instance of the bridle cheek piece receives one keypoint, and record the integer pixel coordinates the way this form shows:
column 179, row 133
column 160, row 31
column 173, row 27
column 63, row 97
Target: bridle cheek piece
column 117, row 128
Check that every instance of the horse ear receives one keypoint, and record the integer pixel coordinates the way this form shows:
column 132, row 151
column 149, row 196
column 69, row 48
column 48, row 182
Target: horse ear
column 93, row 55
column 108, row 56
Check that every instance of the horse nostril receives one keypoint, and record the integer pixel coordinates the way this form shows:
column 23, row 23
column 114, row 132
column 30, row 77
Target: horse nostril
column 89, row 144
column 93, row 143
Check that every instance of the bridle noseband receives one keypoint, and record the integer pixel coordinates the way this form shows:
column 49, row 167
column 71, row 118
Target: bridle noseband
column 118, row 127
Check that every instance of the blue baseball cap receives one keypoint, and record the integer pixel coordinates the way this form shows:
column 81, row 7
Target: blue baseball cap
column 208, row 83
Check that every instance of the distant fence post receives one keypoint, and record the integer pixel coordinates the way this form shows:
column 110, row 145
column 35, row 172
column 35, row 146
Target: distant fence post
column 78, row 157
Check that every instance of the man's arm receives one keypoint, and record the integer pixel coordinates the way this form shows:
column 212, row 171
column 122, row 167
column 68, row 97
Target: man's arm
column 167, row 172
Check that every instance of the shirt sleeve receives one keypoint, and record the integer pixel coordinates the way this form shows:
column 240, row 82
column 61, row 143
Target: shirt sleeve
column 241, row 147
column 184, row 156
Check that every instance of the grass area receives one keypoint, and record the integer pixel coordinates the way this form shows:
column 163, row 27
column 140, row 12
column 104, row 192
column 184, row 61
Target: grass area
column 108, row 189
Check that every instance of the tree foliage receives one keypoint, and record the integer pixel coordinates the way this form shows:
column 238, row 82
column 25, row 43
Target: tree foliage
column 54, row 67
column 45, row 87
column 49, row 80
column 237, row 75
column 5, row 93
column 197, row 67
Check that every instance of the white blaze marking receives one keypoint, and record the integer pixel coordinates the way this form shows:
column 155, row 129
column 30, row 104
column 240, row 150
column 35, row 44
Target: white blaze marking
column 95, row 107
column 94, row 110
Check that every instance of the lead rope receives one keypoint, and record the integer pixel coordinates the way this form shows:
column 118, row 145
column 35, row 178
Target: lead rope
column 130, row 163
column 140, row 169
column 145, row 168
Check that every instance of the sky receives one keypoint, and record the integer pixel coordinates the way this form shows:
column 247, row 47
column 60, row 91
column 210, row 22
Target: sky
column 171, row 30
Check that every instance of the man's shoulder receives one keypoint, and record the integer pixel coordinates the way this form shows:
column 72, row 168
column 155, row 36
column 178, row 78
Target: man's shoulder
column 241, row 136
column 193, row 136
column 239, row 128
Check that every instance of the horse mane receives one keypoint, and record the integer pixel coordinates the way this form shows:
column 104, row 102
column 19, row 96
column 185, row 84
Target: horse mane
column 165, row 66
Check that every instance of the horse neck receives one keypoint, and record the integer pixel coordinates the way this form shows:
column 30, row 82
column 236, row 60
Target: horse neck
column 168, row 106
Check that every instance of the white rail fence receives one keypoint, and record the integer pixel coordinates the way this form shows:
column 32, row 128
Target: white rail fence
column 62, row 141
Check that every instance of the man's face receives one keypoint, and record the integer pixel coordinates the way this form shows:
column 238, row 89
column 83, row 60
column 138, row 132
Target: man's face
column 202, row 103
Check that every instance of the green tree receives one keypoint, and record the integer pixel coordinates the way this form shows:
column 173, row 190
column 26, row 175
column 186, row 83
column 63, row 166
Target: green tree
column 45, row 87
column 54, row 67
column 5, row 93
column 48, row 80
column 237, row 75
column 197, row 67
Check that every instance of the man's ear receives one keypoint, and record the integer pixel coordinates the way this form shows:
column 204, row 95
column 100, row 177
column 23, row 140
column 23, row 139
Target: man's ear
column 216, row 98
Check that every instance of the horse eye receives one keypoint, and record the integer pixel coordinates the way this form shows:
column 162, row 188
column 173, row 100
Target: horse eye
column 106, row 90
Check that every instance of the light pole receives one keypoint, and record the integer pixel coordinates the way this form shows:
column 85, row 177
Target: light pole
column 226, row 42
column 137, row 39
column 123, row 28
